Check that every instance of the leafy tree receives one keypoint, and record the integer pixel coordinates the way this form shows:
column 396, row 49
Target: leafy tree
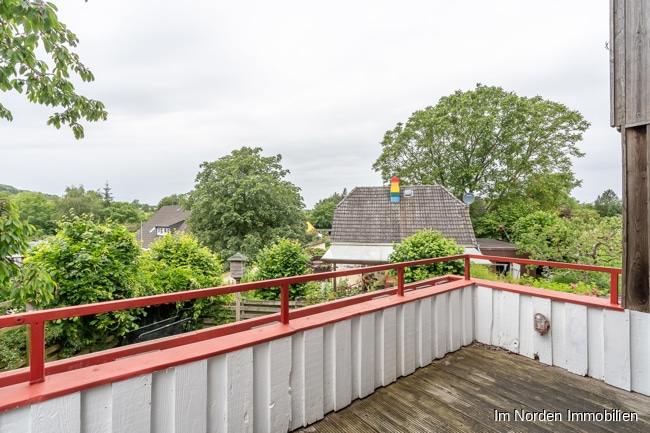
column 21, row 283
column 125, row 213
column 581, row 237
column 427, row 244
column 174, row 199
column 608, row 204
column 323, row 213
column 488, row 141
column 28, row 30
column 177, row 263
column 91, row 262
column 286, row 258
column 36, row 209
column 79, row 201
column 241, row 202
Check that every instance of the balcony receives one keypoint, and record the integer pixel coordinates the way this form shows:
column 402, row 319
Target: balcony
column 286, row 371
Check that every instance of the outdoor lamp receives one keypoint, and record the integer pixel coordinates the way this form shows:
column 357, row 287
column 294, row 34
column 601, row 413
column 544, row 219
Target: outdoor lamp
column 541, row 323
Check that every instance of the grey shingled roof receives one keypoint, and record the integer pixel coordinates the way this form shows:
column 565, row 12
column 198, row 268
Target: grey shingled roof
column 367, row 216
column 171, row 216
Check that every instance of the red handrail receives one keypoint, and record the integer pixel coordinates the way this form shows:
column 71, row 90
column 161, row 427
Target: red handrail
column 36, row 319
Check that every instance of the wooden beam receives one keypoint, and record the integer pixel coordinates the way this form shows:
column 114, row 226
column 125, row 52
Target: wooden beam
column 635, row 218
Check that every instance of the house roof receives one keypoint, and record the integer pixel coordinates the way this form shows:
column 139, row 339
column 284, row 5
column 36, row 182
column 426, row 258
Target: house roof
column 495, row 244
column 367, row 216
column 171, row 216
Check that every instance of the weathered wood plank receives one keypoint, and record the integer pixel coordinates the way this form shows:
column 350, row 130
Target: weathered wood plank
column 306, row 380
column 617, row 62
column 132, row 405
column 595, row 343
column 386, row 347
column 637, row 62
column 509, row 338
column 313, row 375
column 342, row 361
column 462, row 391
column 363, row 356
column 617, row 348
column 328, row 369
column 440, row 323
column 60, row 414
column 406, row 339
column 497, row 317
column 16, row 420
column 483, row 313
column 455, row 341
column 526, row 330
column 558, row 334
column 230, row 392
column 297, row 380
column 640, row 351
column 543, row 344
column 467, row 306
column 635, row 219
column 217, row 391
column 576, row 338
column 96, row 409
column 423, row 331
column 163, row 408
column 271, row 399
column 190, row 397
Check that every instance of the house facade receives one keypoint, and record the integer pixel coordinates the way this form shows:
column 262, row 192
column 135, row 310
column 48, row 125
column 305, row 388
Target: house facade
column 369, row 220
column 168, row 219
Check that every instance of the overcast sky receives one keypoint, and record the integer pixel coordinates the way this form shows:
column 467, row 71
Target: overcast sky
column 318, row 83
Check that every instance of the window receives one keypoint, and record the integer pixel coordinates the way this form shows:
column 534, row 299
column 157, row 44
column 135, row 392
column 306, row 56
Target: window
column 161, row 231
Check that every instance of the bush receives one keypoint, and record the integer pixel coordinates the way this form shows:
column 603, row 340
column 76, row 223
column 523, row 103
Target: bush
column 427, row 244
column 177, row 263
column 283, row 259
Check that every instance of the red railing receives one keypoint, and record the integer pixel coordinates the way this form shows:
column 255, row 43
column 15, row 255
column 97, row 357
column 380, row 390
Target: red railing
column 36, row 319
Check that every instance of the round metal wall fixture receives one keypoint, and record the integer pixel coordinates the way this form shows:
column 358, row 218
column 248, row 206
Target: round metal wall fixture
column 468, row 198
column 541, row 323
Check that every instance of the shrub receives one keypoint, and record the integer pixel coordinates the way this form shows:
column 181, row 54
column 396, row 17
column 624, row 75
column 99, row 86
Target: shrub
column 427, row 244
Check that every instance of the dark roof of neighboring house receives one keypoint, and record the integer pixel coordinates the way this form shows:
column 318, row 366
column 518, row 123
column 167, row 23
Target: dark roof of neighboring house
column 367, row 216
column 495, row 244
column 171, row 216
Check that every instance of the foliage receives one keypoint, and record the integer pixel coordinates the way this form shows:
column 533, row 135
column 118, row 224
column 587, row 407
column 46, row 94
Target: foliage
column 79, row 201
column 128, row 214
column 427, row 244
column 91, row 262
column 14, row 235
column 36, row 209
column 286, row 258
column 581, row 237
column 608, row 204
column 30, row 29
column 176, row 263
column 174, row 199
column 323, row 213
column 577, row 287
column 21, row 283
column 241, row 202
column 491, row 142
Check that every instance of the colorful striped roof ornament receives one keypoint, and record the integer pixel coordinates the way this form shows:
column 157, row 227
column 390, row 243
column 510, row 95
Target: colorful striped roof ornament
column 394, row 190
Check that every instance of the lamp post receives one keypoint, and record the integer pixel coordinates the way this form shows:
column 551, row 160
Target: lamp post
column 237, row 266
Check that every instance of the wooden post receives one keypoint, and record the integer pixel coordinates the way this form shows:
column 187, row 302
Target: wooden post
column 630, row 114
column 635, row 219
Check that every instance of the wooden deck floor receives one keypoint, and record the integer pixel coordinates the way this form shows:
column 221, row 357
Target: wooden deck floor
column 479, row 389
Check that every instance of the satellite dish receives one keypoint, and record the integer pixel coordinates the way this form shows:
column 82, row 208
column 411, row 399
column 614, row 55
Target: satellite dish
column 468, row 198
